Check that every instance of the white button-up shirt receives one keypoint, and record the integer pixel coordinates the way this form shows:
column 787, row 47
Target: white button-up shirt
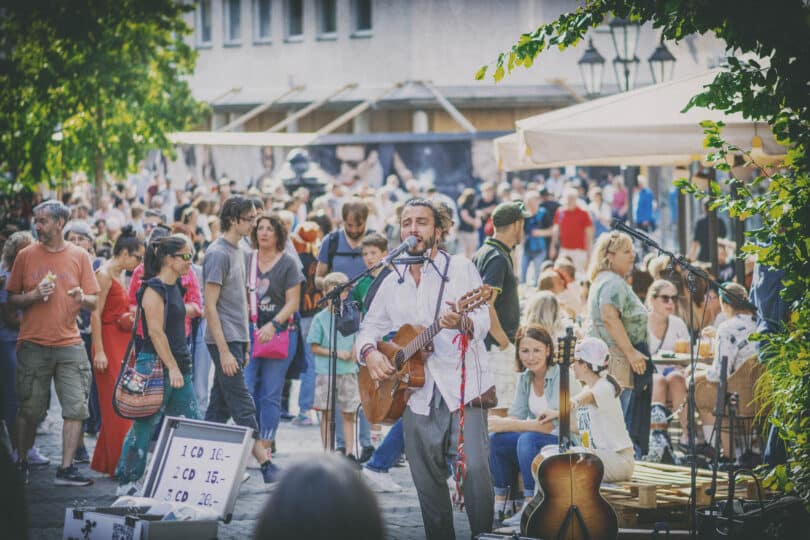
column 396, row 304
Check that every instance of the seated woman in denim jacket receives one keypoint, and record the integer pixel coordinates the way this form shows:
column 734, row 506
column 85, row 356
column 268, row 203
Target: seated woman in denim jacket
column 516, row 439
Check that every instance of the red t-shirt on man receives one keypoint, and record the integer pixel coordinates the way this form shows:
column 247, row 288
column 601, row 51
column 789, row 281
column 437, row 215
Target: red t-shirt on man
column 573, row 224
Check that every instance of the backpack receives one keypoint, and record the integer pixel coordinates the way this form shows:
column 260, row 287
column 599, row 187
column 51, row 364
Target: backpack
column 332, row 249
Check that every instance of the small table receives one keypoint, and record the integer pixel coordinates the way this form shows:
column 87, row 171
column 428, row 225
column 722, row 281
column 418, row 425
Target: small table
column 676, row 359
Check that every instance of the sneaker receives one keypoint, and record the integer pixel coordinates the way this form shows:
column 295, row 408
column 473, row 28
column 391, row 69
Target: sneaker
column 81, row 455
column 36, row 459
column 514, row 521
column 286, row 416
column 503, row 509
column 366, row 454
column 270, row 472
column 23, row 469
column 246, row 477
column 381, row 482
column 70, row 476
column 132, row 489
column 302, row 420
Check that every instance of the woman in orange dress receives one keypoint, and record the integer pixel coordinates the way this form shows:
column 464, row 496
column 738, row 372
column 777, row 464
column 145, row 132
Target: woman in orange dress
column 111, row 326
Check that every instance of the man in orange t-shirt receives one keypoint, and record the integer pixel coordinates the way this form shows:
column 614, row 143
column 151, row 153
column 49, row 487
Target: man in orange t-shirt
column 50, row 282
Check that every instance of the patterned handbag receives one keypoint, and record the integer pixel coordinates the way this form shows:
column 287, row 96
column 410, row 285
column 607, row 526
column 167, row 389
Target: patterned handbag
column 137, row 395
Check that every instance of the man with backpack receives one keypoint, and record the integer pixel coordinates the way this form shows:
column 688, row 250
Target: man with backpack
column 341, row 250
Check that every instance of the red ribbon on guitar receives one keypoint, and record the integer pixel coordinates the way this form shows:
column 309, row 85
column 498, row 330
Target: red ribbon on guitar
column 462, row 341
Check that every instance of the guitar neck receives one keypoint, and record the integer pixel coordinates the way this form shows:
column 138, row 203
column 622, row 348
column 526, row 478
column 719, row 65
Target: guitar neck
column 565, row 408
column 565, row 352
column 421, row 340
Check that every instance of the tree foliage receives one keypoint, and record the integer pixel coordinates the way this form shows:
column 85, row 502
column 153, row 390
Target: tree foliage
column 111, row 73
column 773, row 86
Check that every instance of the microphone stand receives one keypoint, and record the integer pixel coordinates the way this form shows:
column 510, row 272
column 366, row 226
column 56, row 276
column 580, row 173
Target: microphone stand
column 693, row 273
column 333, row 299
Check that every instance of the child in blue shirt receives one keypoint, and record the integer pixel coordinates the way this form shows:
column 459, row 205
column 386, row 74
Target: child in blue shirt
column 347, row 390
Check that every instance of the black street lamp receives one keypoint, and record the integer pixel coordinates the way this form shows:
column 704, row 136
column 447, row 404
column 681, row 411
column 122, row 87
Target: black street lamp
column 662, row 64
column 625, row 40
column 592, row 68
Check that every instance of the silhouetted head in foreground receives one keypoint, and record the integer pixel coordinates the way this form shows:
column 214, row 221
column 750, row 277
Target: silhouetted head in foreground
column 323, row 498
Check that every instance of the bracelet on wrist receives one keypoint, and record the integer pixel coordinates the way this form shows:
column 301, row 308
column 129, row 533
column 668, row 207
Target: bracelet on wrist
column 277, row 325
column 366, row 350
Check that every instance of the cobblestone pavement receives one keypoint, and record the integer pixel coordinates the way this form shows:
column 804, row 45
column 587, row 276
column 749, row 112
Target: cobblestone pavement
column 47, row 503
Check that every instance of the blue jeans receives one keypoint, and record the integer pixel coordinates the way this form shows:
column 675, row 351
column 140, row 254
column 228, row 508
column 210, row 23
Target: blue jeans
column 176, row 402
column 265, row 380
column 8, row 378
column 390, row 450
column 535, row 259
column 306, row 393
column 201, row 367
column 510, row 452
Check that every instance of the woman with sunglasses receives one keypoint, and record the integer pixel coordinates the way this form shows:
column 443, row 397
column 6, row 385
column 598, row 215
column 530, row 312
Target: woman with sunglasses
column 191, row 285
column 164, row 340
column 111, row 328
column 616, row 315
column 665, row 329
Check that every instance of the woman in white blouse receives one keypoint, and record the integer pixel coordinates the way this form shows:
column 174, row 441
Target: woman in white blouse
column 664, row 328
column 733, row 342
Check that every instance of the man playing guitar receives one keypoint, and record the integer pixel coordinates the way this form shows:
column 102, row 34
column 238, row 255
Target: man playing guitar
column 431, row 419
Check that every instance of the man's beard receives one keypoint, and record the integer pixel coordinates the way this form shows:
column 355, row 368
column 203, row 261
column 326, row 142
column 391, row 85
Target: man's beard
column 355, row 236
column 429, row 244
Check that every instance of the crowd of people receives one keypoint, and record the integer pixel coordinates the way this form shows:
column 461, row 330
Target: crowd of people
column 222, row 287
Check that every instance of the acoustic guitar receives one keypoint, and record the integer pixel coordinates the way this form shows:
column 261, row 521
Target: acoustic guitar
column 570, row 506
column 385, row 401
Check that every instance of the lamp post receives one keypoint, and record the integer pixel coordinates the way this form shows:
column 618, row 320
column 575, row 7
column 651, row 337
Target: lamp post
column 58, row 136
column 625, row 41
column 662, row 64
column 592, row 68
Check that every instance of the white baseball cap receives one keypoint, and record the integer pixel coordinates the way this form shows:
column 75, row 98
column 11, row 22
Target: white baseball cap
column 594, row 351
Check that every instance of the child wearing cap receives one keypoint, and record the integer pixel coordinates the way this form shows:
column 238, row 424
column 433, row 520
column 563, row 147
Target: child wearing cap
column 600, row 421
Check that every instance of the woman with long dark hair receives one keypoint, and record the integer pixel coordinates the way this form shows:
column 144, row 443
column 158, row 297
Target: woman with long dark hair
column 111, row 327
column 275, row 289
column 164, row 340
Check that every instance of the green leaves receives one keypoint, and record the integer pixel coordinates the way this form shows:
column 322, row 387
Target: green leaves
column 112, row 72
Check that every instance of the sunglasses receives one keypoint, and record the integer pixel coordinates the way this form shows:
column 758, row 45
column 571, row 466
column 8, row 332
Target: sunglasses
column 185, row 256
column 667, row 298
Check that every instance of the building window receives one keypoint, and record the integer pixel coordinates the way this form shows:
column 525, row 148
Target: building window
column 261, row 20
column 327, row 18
column 233, row 21
column 362, row 17
column 204, row 23
column 295, row 20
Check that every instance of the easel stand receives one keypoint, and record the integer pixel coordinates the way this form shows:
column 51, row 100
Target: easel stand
column 693, row 273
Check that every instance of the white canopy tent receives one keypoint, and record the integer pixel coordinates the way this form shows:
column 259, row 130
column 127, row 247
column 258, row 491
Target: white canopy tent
column 640, row 127
column 508, row 154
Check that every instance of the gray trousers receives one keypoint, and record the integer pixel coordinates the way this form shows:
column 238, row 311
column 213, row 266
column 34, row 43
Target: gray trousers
column 430, row 441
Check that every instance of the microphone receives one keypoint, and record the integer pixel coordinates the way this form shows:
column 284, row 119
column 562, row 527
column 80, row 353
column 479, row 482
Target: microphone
column 409, row 243
column 618, row 225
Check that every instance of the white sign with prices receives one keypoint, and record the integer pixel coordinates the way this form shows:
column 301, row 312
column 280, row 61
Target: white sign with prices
column 198, row 472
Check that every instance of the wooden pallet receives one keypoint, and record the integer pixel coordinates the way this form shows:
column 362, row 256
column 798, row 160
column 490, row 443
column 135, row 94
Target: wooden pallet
column 659, row 492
